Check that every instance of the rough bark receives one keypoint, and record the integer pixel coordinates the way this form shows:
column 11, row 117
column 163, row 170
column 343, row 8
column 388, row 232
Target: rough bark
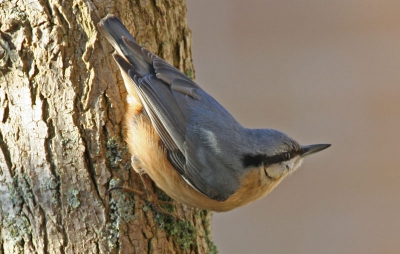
column 61, row 138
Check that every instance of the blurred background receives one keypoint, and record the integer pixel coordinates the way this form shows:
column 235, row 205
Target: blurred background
column 323, row 72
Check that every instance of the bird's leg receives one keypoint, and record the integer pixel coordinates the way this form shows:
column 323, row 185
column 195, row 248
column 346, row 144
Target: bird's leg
column 152, row 197
column 150, row 194
column 137, row 166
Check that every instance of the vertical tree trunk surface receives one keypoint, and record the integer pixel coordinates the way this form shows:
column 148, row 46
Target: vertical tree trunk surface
column 62, row 101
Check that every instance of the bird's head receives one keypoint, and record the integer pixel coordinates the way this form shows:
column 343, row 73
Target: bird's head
column 276, row 153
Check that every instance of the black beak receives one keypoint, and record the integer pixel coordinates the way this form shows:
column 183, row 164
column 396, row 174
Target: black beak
column 310, row 149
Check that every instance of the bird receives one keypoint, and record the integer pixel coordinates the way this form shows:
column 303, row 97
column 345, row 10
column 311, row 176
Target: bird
column 186, row 142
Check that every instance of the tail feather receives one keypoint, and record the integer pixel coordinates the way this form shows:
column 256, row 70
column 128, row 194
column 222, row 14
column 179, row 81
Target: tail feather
column 120, row 38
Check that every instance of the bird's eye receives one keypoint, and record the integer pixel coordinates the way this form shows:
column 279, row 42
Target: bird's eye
column 286, row 156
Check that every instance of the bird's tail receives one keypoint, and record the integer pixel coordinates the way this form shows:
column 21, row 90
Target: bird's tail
column 124, row 43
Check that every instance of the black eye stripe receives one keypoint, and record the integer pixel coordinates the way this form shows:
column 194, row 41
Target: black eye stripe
column 256, row 160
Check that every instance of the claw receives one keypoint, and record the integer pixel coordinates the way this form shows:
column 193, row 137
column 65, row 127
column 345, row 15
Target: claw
column 150, row 196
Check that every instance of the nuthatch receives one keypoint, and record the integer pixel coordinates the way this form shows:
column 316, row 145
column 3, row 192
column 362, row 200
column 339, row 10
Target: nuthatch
column 189, row 145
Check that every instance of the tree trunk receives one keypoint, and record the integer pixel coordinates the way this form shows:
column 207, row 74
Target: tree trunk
column 62, row 100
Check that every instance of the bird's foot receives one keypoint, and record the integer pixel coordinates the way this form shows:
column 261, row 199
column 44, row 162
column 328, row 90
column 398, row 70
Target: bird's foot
column 149, row 196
